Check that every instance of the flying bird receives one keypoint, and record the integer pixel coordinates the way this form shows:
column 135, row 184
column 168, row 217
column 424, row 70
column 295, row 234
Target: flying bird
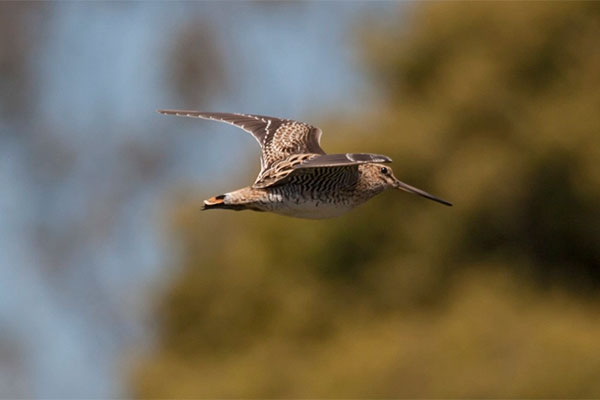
column 297, row 178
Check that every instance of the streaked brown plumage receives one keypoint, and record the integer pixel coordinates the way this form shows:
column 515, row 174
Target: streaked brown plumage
column 297, row 177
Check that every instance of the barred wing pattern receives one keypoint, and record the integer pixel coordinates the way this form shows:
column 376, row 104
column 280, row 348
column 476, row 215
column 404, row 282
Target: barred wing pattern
column 318, row 166
column 320, row 178
column 278, row 138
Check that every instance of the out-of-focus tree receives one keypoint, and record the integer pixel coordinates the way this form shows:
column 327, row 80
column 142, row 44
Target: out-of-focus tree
column 21, row 31
column 503, row 100
column 198, row 72
column 20, row 27
column 493, row 106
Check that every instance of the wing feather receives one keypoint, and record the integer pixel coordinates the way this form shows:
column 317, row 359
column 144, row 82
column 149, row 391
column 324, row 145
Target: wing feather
column 277, row 137
column 334, row 160
column 304, row 164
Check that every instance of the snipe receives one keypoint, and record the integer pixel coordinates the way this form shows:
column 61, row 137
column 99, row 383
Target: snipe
column 297, row 178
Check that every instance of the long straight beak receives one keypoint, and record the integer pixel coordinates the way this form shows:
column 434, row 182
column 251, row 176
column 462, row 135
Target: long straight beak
column 410, row 189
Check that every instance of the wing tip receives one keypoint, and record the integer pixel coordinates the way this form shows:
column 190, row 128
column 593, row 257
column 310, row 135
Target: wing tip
column 368, row 158
column 181, row 113
column 384, row 159
column 171, row 112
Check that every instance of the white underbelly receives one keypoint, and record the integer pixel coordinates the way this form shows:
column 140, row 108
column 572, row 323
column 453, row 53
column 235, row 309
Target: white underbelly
column 313, row 209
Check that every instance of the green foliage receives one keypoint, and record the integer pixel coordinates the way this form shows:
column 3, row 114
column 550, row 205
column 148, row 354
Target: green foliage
column 491, row 105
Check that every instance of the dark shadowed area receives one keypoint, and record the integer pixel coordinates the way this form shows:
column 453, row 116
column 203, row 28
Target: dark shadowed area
column 113, row 283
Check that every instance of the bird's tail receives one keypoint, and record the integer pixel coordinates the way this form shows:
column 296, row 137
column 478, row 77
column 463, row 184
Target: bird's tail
column 241, row 199
column 218, row 202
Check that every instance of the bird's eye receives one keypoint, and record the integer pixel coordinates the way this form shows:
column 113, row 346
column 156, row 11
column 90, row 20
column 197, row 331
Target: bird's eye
column 384, row 170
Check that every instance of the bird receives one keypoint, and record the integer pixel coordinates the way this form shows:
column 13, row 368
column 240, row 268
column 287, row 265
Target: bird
column 297, row 178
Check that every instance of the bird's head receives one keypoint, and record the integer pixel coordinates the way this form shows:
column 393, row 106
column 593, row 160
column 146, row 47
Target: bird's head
column 380, row 177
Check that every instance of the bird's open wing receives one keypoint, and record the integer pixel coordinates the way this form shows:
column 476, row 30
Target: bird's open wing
column 342, row 167
column 278, row 138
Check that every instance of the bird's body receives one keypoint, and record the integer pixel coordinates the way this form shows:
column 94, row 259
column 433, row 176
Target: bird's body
column 297, row 178
column 322, row 193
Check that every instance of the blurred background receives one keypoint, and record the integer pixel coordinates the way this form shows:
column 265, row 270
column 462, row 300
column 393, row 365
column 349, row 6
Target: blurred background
column 112, row 283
